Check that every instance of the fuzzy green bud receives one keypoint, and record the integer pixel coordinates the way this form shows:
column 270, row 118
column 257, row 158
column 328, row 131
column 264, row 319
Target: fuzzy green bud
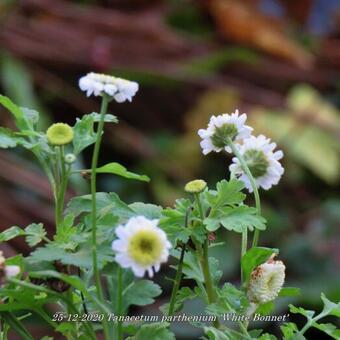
column 70, row 158
column 196, row 186
column 59, row 134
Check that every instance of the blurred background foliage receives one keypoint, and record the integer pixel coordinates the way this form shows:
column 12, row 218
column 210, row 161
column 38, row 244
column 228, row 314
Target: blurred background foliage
column 277, row 60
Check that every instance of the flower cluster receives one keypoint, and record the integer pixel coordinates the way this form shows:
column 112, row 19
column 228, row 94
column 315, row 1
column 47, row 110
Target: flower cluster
column 141, row 246
column 99, row 84
column 266, row 281
column 257, row 152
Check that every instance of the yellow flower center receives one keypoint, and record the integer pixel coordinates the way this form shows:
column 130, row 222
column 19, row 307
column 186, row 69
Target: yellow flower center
column 59, row 134
column 145, row 247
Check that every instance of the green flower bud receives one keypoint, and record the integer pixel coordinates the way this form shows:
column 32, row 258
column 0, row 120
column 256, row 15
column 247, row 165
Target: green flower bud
column 70, row 158
column 196, row 186
column 59, row 134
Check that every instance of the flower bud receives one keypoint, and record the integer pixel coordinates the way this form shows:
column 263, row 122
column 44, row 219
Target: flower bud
column 59, row 134
column 70, row 158
column 196, row 186
column 266, row 281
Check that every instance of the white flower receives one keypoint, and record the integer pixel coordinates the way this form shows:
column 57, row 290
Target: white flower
column 266, row 281
column 262, row 161
column 118, row 88
column 141, row 246
column 12, row 271
column 222, row 127
column 7, row 270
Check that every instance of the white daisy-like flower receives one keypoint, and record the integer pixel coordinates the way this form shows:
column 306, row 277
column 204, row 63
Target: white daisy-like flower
column 117, row 88
column 263, row 162
column 266, row 281
column 220, row 129
column 141, row 246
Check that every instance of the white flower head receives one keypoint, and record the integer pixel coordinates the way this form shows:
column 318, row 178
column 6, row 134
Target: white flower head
column 266, row 281
column 263, row 162
column 117, row 88
column 141, row 246
column 222, row 127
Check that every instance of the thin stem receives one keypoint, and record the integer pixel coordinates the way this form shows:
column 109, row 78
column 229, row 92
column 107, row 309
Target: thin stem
column 177, row 283
column 204, row 260
column 87, row 326
column 178, row 276
column 64, row 174
column 94, row 164
column 253, row 184
column 119, row 302
column 103, row 110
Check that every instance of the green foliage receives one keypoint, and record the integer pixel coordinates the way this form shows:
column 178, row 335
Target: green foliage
column 154, row 331
column 120, row 170
column 228, row 210
column 35, row 233
column 106, row 202
column 253, row 258
column 229, row 299
column 84, row 134
column 330, row 308
column 174, row 220
column 141, row 293
column 8, row 139
column 235, row 219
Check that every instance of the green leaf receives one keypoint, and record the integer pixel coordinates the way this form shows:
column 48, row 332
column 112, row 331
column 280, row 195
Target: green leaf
column 330, row 308
column 216, row 334
column 15, row 111
column 227, row 193
column 253, row 258
column 8, row 139
column 141, row 293
column 11, row 233
column 173, row 221
column 109, row 118
column 185, row 293
column 235, row 219
column 329, row 329
column 289, row 291
column 151, row 211
column 35, row 233
column 266, row 308
column 120, row 170
column 299, row 310
column 84, row 134
column 291, row 332
column 229, row 299
column 106, row 202
column 154, row 331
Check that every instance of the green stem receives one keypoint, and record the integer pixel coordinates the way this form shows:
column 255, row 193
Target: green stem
column 119, row 302
column 87, row 326
column 94, row 164
column 177, row 283
column 204, row 260
column 254, row 186
column 62, row 186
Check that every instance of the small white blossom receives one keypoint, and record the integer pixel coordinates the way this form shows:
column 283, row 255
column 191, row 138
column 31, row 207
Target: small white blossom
column 118, row 88
column 7, row 271
column 222, row 127
column 266, row 281
column 141, row 246
column 263, row 162
column 70, row 158
column 12, row 271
